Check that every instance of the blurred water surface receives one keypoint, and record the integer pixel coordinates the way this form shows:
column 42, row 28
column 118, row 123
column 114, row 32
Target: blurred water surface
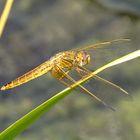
column 36, row 30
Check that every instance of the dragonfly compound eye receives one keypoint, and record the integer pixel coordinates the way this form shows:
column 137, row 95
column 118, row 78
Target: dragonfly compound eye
column 82, row 58
column 88, row 58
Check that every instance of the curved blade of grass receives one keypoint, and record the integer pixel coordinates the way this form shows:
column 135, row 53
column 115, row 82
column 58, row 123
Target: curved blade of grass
column 21, row 124
column 4, row 15
column 120, row 60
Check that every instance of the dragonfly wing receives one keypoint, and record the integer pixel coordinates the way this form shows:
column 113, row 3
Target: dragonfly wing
column 109, row 88
column 83, row 69
column 36, row 72
column 100, row 45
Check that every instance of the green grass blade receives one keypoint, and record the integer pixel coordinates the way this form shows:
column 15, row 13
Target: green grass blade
column 120, row 60
column 5, row 15
column 21, row 124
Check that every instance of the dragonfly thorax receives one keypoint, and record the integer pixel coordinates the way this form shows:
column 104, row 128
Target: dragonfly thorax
column 66, row 61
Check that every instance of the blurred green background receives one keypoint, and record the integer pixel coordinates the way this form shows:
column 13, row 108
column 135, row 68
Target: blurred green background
column 35, row 31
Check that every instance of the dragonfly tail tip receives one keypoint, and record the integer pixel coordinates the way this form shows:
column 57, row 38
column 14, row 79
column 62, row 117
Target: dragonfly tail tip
column 3, row 88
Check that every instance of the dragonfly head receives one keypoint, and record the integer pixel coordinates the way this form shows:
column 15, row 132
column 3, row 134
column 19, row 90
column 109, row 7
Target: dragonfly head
column 82, row 58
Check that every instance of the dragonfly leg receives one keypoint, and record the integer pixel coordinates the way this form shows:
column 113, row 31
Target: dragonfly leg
column 103, row 80
column 87, row 91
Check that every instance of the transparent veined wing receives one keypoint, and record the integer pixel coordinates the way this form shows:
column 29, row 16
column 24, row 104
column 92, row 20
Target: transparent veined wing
column 107, row 91
column 100, row 44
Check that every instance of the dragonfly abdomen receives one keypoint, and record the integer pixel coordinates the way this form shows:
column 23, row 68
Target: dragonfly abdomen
column 38, row 71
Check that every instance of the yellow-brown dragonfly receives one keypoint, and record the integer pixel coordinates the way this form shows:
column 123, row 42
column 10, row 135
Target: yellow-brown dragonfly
column 61, row 64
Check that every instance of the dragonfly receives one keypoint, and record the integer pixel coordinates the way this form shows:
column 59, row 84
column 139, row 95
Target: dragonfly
column 62, row 63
